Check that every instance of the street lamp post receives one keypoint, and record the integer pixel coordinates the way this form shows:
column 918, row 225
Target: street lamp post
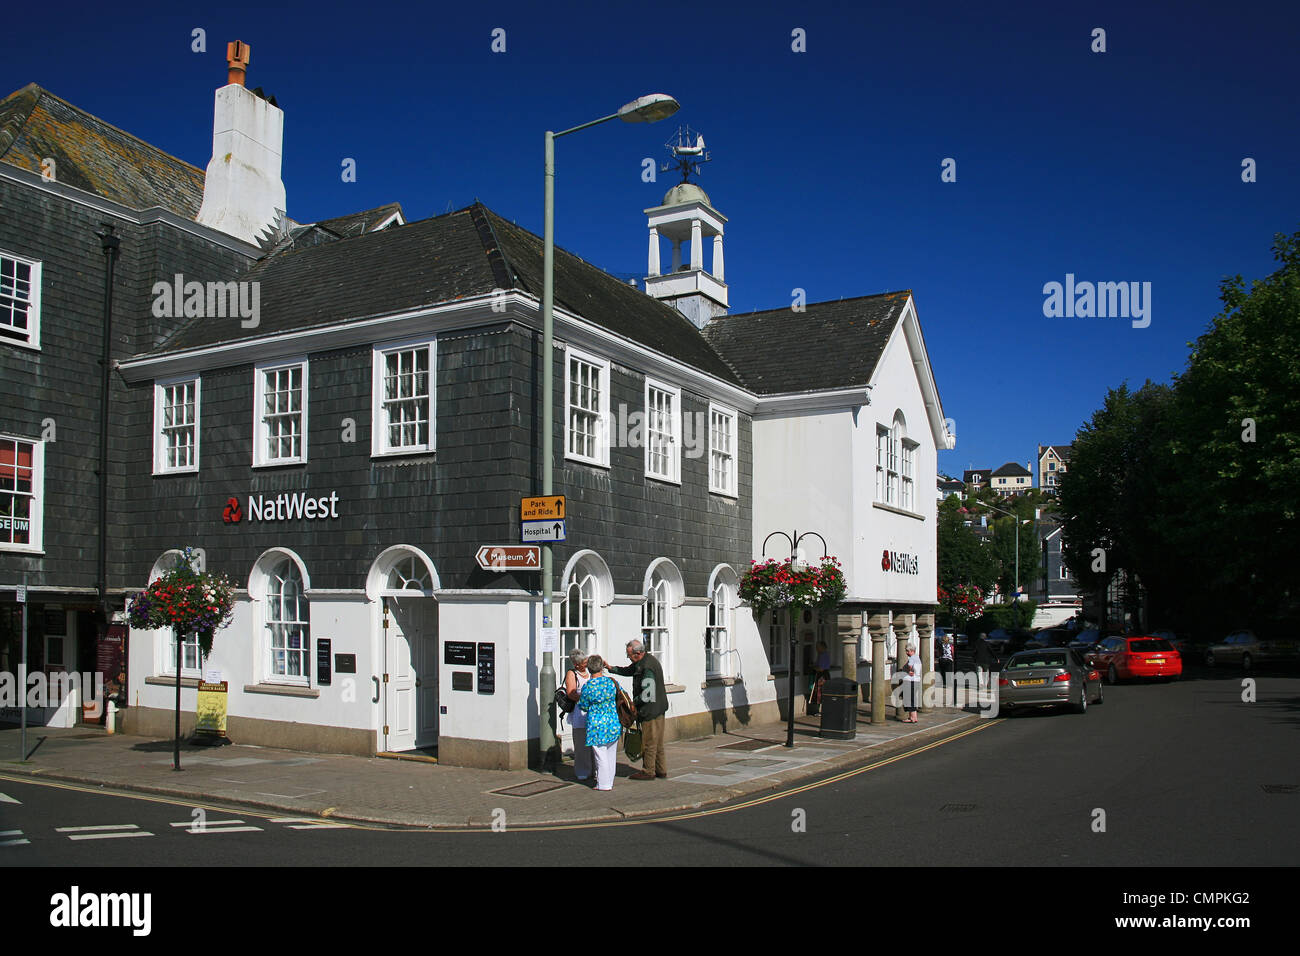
column 1018, row 521
column 646, row 109
column 794, row 540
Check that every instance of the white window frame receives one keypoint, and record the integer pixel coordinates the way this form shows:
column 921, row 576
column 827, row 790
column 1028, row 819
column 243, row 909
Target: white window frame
column 379, row 446
column 778, row 639
column 907, row 500
column 717, row 632
column 35, row 527
column 282, row 568
column 160, row 444
column 728, row 454
column 578, row 610
column 657, row 623
column 262, row 457
column 33, row 338
column 601, row 436
column 167, row 654
column 669, row 430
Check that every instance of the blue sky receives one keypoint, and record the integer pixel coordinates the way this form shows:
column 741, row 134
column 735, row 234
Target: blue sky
column 1117, row 166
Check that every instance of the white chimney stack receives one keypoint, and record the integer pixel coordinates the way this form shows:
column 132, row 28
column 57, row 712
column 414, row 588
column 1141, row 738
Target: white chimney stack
column 243, row 195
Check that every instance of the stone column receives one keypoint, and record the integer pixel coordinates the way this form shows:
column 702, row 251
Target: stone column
column 848, row 626
column 653, row 269
column 717, row 257
column 677, row 254
column 902, row 625
column 878, row 624
column 925, row 633
column 697, row 245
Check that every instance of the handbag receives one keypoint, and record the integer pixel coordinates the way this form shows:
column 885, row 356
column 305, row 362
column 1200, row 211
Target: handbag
column 633, row 743
column 562, row 700
column 626, row 709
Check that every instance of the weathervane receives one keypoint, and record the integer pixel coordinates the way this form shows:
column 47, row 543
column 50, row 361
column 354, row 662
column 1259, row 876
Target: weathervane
column 686, row 157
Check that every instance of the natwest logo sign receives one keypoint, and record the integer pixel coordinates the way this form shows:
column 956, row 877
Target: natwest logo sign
column 900, row 562
column 285, row 506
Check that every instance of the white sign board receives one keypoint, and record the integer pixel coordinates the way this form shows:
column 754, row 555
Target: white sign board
column 22, row 594
column 550, row 639
column 542, row 530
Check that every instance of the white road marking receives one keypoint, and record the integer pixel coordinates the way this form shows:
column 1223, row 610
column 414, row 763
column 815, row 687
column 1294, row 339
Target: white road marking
column 108, row 832
column 12, row 833
column 5, row 798
column 307, row 823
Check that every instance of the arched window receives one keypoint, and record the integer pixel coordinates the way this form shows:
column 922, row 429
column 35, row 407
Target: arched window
column 578, row 617
column 656, row 621
column 409, row 574
column 191, row 654
column 717, row 636
column 289, row 638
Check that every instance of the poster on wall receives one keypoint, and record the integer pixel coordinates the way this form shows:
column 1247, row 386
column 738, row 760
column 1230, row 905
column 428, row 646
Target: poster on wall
column 110, row 660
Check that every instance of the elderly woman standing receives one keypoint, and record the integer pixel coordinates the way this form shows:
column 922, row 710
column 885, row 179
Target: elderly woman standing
column 911, row 683
column 597, row 700
column 574, row 680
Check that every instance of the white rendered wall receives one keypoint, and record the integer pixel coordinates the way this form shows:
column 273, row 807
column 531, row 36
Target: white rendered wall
column 243, row 192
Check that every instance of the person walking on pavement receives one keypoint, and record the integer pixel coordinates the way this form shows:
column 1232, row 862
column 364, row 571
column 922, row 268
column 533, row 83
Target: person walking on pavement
column 947, row 662
column 651, row 699
column 985, row 660
column 603, row 728
column 574, row 679
column 912, row 683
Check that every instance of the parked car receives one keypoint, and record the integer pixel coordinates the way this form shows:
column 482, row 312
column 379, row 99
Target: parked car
column 1050, row 637
column 1246, row 649
column 1007, row 642
column 1048, row 677
column 1124, row 658
column 1183, row 645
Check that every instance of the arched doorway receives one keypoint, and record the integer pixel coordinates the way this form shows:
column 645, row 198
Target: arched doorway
column 402, row 583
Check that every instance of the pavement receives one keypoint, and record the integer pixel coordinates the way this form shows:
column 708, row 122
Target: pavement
column 410, row 793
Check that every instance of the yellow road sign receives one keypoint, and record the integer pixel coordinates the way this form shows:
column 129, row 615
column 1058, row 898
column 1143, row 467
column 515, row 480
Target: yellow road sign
column 541, row 509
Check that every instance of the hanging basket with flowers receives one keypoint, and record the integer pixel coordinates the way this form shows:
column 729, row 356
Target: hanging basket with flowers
column 773, row 584
column 186, row 600
column 962, row 601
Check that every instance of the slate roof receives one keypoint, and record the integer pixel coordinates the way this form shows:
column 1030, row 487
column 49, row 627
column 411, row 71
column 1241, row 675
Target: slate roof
column 829, row 345
column 461, row 254
column 969, row 476
column 360, row 223
column 1063, row 452
column 93, row 155
column 1013, row 470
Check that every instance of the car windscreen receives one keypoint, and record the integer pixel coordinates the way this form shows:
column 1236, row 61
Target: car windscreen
column 1149, row 646
column 1036, row 660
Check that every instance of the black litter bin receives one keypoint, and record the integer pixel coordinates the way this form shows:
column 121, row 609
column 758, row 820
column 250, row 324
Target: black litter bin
column 840, row 709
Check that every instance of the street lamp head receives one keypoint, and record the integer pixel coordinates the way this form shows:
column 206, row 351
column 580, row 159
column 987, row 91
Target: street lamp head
column 649, row 109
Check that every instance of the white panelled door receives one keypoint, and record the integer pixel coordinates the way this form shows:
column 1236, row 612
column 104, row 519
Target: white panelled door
column 412, row 689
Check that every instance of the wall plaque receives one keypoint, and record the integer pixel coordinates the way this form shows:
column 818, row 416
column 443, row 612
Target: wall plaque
column 462, row 680
column 345, row 663
column 487, row 668
column 323, row 674
column 458, row 652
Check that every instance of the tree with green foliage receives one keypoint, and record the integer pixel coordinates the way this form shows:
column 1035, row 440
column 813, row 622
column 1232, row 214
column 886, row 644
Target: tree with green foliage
column 963, row 559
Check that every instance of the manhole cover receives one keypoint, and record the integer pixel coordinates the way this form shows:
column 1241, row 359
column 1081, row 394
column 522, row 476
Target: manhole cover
column 1281, row 787
column 532, row 789
column 749, row 745
column 957, row 808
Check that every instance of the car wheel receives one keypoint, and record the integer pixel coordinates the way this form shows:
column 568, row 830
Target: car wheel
column 1112, row 675
column 1082, row 707
column 1245, row 662
column 1209, row 658
column 1098, row 700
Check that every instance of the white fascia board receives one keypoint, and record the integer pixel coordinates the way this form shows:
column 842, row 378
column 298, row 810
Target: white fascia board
column 658, row 215
column 461, row 314
column 140, row 217
column 586, row 335
column 776, row 406
column 925, row 377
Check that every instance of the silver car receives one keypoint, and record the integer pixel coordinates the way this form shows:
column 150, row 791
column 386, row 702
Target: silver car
column 1048, row 677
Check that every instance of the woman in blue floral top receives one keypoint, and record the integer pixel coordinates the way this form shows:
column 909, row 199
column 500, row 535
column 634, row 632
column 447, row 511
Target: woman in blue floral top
column 597, row 700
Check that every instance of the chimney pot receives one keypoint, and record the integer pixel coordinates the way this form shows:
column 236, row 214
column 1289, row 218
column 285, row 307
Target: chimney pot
column 237, row 56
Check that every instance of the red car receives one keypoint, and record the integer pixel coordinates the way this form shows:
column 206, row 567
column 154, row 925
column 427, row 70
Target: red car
column 1124, row 658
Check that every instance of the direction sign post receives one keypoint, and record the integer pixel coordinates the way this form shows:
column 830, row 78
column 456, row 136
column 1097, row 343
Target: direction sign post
column 509, row 557
column 552, row 530
column 542, row 509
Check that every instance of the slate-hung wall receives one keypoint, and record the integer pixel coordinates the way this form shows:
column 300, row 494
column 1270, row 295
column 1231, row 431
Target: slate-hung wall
column 62, row 380
column 466, row 494
column 630, row 519
column 447, row 503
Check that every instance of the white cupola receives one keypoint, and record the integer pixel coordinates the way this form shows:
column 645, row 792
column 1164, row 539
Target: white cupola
column 687, row 215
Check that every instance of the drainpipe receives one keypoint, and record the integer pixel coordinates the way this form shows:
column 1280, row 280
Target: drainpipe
column 108, row 243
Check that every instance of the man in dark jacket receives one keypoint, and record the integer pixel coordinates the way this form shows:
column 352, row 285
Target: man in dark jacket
column 651, row 699
column 985, row 659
